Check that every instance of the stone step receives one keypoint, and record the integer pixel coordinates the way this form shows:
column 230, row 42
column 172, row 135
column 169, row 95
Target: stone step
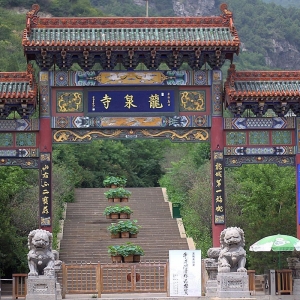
column 85, row 234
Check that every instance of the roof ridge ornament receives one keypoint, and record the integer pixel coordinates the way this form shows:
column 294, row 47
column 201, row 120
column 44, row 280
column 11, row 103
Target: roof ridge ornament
column 227, row 14
column 32, row 16
column 223, row 8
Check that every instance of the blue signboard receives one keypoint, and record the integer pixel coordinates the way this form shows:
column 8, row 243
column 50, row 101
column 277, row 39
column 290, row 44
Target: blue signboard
column 127, row 101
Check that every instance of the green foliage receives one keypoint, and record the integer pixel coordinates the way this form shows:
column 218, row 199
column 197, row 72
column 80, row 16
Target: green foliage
column 263, row 204
column 113, row 180
column 127, row 8
column 126, row 210
column 78, row 8
column 63, row 192
column 113, row 228
column 285, row 3
column 13, row 181
column 117, row 193
column 188, row 183
column 124, row 226
column 117, row 209
column 130, row 249
column 114, row 250
column 125, row 249
column 137, row 161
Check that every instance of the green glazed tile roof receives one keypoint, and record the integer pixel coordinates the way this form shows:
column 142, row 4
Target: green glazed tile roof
column 267, row 86
column 18, row 85
column 247, row 84
column 158, row 35
column 23, row 89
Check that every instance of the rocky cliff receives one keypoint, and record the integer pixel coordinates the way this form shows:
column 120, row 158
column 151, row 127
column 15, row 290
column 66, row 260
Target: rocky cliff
column 193, row 8
column 186, row 8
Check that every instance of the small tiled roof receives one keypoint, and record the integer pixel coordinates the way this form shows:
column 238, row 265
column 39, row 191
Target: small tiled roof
column 111, row 31
column 241, row 85
column 260, row 91
column 18, row 85
column 18, row 92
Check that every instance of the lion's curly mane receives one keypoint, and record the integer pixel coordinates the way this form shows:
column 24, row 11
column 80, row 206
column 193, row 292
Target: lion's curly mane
column 222, row 236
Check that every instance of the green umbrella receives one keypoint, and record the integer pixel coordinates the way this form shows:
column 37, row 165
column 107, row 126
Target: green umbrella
column 278, row 242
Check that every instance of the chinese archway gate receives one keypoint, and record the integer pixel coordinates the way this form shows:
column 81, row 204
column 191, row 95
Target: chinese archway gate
column 122, row 102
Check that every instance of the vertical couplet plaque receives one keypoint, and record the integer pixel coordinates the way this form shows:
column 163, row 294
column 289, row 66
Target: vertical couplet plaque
column 218, row 188
column 45, row 189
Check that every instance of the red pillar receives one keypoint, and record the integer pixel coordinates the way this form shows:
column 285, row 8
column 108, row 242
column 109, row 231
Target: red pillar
column 45, row 176
column 298, row 194
column 216, row 145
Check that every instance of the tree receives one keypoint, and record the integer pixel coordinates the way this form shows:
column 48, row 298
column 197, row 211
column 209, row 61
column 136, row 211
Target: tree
column 262, row 203
column 188, row 182
column 12, row 250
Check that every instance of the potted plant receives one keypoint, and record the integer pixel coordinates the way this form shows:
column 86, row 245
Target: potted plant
column 124, row 195
column 114, row 230
column 125, row 212
column 110, row 195
column 138, row 252
column 134, row 229
column 128, row 228
column 127, row 251
column 112, row 212
column 121, row 194
column 114, row 252
column 124, row 227
column 114, row 181
column 113, row 195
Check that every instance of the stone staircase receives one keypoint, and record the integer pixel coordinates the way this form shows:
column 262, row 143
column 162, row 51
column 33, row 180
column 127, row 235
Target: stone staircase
column 85, row 235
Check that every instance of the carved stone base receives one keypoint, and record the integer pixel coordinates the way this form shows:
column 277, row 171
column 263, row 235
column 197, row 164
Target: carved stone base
column 233, row 285
column 296, row 287
column 211, row 288
column 58, row 292
column 41, row 288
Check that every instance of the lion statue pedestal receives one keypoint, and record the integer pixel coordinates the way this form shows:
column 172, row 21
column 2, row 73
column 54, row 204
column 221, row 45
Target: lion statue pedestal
column 42, row 263
column 232, row 279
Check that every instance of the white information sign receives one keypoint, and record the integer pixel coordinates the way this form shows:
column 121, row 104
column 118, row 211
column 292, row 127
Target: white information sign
column 185, row 273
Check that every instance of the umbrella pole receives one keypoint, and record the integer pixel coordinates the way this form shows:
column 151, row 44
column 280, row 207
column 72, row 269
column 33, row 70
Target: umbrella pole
column 279, row 262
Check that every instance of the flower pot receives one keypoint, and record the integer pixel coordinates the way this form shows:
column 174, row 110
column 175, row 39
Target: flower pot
column 124, row 216
column 113, row 186
column 125, row 199
column 117, row 199
column 110, row 199
column 125, row 234
column 128, row 259
column 133, row 235
column 115, row 236
column 114, row 216
column 108, row 217
column 116, row 259
column 136, row 258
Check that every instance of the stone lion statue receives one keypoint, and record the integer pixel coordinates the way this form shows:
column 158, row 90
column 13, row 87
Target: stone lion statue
column 232, row 257
column 40, row 256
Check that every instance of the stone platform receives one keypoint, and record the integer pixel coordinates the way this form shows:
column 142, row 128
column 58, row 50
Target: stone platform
column 163, row 296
